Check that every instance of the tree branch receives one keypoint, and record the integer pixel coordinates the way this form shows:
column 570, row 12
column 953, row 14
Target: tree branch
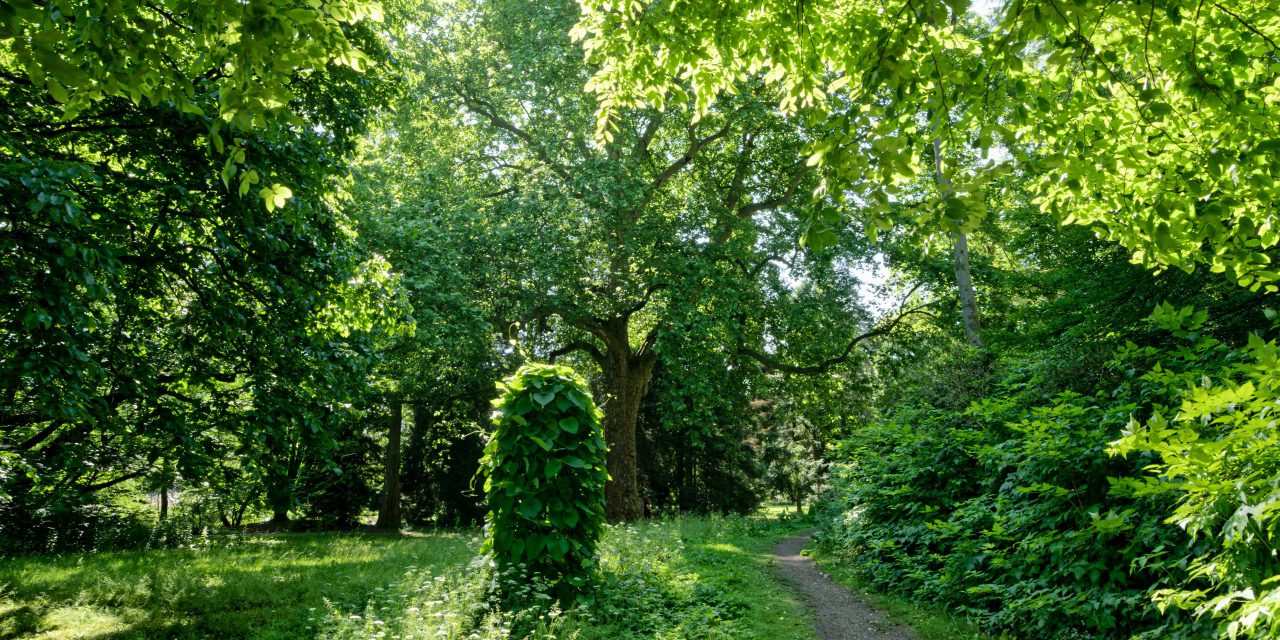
column 771, row 203
column 578, row 345
column 89, row 488
column 696, row 145
column 490, row 113
column 774, row 364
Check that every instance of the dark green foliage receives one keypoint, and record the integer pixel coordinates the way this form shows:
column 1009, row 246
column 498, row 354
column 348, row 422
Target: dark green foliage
column 545, row 473
column 987, row 481
column 693, row 440
column 113, row 520
column 336, row 488
column 441, row 457
column 154, row 317
column 1005, row 511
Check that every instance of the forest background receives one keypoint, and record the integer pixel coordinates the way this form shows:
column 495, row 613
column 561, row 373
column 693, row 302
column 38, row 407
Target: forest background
column 996, row 292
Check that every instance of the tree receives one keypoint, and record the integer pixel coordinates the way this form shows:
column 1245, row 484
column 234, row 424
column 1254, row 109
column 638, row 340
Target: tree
column 389, row 511
column 1177, row 95
column 601, row 251
column 151, row 315
column 233, row 65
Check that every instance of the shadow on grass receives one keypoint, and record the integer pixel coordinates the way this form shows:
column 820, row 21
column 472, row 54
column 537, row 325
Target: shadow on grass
column 266, row 588
column 683, row 578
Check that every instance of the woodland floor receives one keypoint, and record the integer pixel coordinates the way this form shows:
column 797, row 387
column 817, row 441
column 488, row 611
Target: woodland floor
column 685, row 578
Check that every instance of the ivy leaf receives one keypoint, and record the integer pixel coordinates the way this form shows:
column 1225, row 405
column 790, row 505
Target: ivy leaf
column 530, row 508
column 553, row 467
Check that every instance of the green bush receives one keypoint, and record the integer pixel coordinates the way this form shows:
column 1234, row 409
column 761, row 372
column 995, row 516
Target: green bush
column 1013, row 510
column 1219, row 456
column 545, row 470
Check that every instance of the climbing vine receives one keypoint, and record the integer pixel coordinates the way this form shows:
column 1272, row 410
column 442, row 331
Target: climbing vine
column 545, row 472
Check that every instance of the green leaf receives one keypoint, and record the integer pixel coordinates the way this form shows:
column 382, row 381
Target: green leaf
column 553, row 467
column 530, row 508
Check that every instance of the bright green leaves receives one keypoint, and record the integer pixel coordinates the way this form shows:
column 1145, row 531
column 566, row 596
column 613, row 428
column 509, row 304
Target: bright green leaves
column 545, row 471
column 233, row 59
column 1153, row 126
column 1218, row 453
column 275, row 196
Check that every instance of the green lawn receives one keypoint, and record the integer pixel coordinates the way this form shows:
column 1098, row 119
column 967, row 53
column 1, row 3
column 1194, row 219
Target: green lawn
column 685, row 578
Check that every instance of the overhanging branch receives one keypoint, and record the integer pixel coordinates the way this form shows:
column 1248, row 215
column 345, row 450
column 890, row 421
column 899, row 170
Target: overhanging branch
column 771, row 363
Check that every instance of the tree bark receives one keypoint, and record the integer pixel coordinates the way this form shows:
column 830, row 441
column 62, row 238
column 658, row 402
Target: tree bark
column 968, row 297
column 164, row 503
column 389, row 512
column 626, row 381
column 964, row 280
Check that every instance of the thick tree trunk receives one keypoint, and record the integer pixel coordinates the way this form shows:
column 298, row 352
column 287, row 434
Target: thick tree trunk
column 389, row 513
column 279, row 497
column 626, row 381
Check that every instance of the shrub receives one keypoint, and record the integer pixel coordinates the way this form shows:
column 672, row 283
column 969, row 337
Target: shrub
column 1010, row 510
column 1219, row 455
column 545, row 470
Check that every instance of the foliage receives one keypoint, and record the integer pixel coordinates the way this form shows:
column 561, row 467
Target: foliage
column 1059, row 78
column 335, row 488
column 544, row 478
column 114, row 521
column 695, row 438
column 1218, row 457
column 232, row 65
column 792, row 453
column 156, row 323
column 441, row 458
column 1005, row 511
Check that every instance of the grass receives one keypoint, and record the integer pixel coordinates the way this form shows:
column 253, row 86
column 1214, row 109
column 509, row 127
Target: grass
column 262, row 587
column 679, row 578
column 930, row 623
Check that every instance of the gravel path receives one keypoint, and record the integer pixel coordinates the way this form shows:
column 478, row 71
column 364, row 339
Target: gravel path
column 838, row 614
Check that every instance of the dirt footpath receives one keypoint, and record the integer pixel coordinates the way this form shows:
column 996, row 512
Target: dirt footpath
column 838, row 614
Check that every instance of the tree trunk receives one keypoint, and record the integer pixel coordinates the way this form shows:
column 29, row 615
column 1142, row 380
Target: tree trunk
column 389, row 513
column 968, row 297
column 279, row 493
column 964, row 281
column 626, row 381
column 164, row 503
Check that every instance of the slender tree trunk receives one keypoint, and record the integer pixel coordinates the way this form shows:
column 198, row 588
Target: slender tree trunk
column 389, row 513
column 968, row 297
column 964, row 280
column 279, row 491
column 164, row 503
